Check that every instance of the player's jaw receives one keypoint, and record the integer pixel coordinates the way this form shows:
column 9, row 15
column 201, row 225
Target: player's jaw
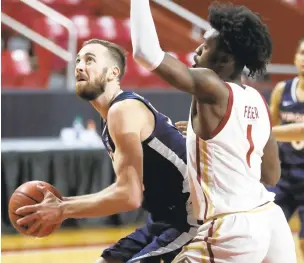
column 87, row 89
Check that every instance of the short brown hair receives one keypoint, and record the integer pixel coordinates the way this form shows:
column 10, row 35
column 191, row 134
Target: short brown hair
column 117, row 52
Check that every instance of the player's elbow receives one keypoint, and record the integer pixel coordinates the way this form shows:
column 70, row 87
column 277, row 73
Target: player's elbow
column 130, row 197
column 133, row 203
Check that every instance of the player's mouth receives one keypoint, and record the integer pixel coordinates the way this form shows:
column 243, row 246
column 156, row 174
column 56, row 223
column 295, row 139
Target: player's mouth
column 81, row 78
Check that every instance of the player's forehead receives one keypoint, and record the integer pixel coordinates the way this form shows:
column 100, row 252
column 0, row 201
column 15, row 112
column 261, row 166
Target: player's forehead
column 95, row 50
column 210, row 38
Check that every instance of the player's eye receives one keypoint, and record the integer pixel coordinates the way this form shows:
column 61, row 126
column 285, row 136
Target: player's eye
column 200, row 51
column 90, row 59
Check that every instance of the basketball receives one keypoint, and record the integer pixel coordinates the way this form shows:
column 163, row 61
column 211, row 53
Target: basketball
column 29, row 194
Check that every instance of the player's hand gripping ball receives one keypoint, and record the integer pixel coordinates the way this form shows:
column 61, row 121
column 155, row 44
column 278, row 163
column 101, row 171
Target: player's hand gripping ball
column 34, row 209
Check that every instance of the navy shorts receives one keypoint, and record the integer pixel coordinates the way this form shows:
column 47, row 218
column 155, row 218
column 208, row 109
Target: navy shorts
column 150, row 243
column 290, row 195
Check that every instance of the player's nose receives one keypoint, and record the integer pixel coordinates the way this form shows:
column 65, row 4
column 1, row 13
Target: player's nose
column 80, row 67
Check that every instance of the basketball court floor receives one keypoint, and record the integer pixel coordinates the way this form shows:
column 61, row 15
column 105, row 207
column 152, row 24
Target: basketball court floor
column 73, row 246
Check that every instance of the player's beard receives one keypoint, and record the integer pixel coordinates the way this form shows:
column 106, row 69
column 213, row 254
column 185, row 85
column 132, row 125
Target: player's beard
column 88, row 91
column 91, row 91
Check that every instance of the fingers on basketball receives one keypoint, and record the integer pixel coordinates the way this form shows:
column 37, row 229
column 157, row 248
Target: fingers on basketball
column 30, row 194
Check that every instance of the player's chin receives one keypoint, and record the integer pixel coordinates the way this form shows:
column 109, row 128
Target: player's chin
column 81, row 86
column 86, row 92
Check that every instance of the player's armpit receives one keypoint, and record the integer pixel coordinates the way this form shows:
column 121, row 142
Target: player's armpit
column 275, row 100
column 200, row 82
column 270, row 168
column 125, row 123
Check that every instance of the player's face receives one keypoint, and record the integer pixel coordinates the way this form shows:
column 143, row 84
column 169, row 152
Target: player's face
column 205, row 53
column 299, row 59
column 91, row 69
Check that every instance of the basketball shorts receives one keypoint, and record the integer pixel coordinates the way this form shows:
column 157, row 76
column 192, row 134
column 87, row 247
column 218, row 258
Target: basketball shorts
column 150, row 243
column 259, row 235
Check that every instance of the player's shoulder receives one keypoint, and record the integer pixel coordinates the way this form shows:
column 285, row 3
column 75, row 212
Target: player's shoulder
column 128, row 114
column 125, row 108
column 212, row 84
column 279, row 87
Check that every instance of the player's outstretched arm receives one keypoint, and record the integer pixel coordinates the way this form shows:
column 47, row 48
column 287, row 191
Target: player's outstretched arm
column 148, row 53
column 126, row 193
column 289, row 132
column 125, row 123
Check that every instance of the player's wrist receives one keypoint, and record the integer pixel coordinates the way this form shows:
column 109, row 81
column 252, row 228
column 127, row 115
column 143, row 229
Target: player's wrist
column 64, row 207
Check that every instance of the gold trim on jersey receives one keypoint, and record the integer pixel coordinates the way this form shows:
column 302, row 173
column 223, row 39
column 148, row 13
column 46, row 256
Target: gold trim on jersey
column 258, row 209
column 205, row 180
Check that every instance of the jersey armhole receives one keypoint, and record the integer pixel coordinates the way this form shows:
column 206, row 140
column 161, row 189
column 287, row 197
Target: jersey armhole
column 227, row 114
column 151, row 136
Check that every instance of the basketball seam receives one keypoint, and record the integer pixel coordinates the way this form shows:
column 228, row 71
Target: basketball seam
column 17, row 214
column 28, row 196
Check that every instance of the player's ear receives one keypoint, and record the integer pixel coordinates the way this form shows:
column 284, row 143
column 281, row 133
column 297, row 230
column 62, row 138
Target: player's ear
column 113, row 73
column 226, row 59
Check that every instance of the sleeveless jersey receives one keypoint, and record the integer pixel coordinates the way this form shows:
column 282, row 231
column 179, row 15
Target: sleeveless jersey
column 291, row 111
column 166, row 188
column 225, row 171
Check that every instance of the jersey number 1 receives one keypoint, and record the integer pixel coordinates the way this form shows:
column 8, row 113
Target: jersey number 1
column 251, row 145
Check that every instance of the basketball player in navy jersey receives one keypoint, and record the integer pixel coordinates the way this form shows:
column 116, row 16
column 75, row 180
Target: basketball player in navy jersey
column 287, row 107
column 149, row 160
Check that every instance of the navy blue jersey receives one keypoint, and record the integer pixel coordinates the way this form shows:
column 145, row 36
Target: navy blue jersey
column 291, row 111
column 166, row 189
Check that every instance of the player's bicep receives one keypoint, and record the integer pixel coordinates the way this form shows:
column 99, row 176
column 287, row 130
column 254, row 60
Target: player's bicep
column 200, row 82
column 275, row 100
column 128, row 157
column 125, row 128
column 270, row 168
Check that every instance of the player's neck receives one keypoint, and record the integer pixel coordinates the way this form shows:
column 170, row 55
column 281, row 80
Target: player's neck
column 103, row 102
column 301, row 82
column 236, row 80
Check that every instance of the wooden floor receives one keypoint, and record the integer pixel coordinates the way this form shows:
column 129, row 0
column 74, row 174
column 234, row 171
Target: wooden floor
column 73, row 246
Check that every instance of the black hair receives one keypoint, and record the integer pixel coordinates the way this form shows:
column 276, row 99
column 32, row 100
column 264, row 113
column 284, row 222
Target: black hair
column 243, row 35
column 116, row 51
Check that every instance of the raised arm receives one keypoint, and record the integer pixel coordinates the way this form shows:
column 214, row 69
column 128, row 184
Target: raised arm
column 147, row 52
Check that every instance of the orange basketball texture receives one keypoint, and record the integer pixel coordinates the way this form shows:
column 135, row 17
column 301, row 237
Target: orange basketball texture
column 28, row 194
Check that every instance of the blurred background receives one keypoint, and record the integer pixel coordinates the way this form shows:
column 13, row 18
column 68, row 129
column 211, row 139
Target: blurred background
column 49, row 134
